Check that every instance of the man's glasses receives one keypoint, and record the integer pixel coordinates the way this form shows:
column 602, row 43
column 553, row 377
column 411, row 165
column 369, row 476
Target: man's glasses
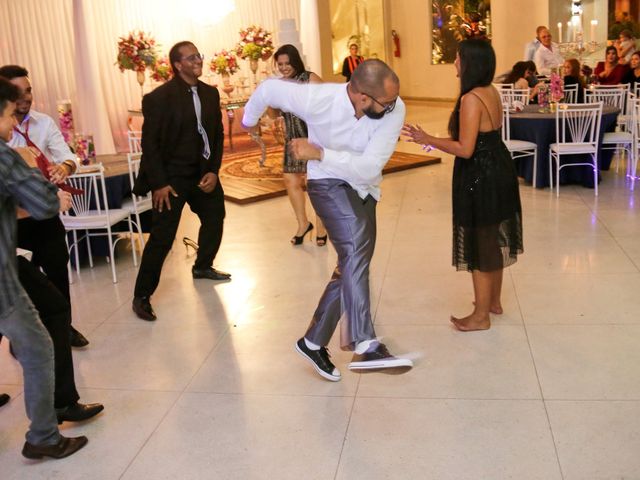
column 194, row 57
column 388, row 108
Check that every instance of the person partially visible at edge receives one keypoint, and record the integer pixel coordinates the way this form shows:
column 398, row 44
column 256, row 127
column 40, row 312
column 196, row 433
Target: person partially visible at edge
column 45, row 238
column 487, row 214
column 353, row 130
column 182, row 141
column 22, row 186
column 351, row 62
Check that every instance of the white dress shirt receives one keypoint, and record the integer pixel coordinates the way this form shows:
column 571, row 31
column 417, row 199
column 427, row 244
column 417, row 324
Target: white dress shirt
column 530, row 49
column 355, row 150
column 546, row 58
column 44, row 132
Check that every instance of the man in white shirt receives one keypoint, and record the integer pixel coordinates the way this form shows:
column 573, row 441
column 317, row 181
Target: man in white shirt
column 45, row 238
column 531, row 48
column 547, row 56
column 353, row 130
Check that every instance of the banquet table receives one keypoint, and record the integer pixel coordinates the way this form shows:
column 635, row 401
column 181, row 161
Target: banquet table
column 540, row 128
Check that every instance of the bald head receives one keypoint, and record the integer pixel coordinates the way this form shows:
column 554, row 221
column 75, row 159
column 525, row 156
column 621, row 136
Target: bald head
column 373, row 77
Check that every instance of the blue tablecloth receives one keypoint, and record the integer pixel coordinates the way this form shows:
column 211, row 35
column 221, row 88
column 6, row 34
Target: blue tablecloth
column 540, row 128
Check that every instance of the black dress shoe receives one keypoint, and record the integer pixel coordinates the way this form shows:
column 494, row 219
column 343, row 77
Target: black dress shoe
column 210, row 273
column 64, row 448
column 78, row 412
column 77, row 339
column 142, row 308
column 4, row 399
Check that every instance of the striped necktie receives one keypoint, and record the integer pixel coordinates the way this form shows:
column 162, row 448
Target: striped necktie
column 206, row 152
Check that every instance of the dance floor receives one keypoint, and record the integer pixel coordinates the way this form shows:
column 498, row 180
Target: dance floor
column 214, row 389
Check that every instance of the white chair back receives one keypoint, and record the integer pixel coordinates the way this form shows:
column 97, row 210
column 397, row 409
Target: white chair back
column 510, row 95
column 93, row 200
column 506, row 127
column 571, row 93
column 578, row 123
column 611, row 95
column 135, row 141
column 636, row 89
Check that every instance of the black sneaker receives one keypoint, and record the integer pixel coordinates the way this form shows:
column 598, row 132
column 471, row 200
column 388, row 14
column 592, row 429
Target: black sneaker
column 320, row 360
column 378, row 358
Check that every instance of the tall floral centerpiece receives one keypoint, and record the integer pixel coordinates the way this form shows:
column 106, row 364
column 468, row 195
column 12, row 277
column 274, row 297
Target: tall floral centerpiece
column 161, row 70
column 65, row 118
column 556, row 87
column 255, row 44
column 225, row 64
column 137, row 52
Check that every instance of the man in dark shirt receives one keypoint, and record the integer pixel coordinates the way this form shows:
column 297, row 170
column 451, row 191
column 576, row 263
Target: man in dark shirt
column 351, row 62
column 182, row 139
column 21, row 186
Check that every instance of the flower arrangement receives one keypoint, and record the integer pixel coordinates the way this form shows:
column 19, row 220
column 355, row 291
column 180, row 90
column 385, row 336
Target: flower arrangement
column 255, row 43
column 161, row 70
column 224, row 63
column 137, row 52
column 556, row 88
column 65, row 117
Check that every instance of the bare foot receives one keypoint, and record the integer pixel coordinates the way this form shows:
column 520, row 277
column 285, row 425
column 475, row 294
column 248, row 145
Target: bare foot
column 497, row 309
column 471, row 322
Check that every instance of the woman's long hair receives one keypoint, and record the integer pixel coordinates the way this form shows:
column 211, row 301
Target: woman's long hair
column 518, row 71
column 294, row 57
column 477, row 69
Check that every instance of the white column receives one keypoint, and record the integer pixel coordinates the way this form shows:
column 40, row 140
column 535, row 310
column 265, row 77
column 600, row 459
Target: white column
column 310, row 35
column 91, row 110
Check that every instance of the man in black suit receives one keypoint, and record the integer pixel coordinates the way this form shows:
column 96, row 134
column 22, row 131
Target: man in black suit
column 182, row 138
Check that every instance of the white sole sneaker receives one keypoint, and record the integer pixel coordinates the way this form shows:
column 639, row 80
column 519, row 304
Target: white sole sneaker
column 390, row 362
column 323, row 374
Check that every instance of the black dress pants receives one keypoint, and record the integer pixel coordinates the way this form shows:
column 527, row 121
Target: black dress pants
column 46, row 239
column 210, row 210
column 55, row 314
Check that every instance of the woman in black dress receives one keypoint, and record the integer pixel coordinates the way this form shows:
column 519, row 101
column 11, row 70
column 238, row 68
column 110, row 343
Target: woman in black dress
column 290, row 65
column 633, row 75
column 487, row 216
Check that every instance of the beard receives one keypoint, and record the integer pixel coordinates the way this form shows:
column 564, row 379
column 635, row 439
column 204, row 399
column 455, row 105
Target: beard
column 372, row 114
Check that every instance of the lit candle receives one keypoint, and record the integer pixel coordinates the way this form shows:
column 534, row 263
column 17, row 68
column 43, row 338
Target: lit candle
column 559, row 31
column 576, row 23
column 568, row 32
column 594, row 24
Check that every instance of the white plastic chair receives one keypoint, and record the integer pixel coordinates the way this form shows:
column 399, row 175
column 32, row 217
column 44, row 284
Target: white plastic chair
column 611, row 95
column 510, row 95
column 90, row 211
column 622, row 140
column 136, row 204
column 135, row 141
column 577, row 128
column 518, row 148
column 632, row 168
column 571, row 93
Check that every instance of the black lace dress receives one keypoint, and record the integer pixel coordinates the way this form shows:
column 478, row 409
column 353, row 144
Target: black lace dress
column 487, row 215
column 294, row 128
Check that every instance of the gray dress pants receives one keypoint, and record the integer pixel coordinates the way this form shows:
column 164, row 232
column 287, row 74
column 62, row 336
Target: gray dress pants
column 33, row 348
column 351, row 224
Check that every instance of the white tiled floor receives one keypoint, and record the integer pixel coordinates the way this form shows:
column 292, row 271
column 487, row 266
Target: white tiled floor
column 214, row 389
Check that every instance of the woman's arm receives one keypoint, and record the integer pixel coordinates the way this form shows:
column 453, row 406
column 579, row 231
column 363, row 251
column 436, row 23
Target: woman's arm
column 470, row 115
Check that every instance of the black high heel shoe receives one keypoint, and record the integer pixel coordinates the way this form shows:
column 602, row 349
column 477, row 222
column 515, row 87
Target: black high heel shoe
column 297, row 240
column 321, row 241
column 189, row 243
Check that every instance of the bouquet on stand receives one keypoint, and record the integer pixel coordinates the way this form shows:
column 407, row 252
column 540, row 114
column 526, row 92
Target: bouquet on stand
column 255, row 44
column 225, row 64
column 137, row 52
column 161, row 70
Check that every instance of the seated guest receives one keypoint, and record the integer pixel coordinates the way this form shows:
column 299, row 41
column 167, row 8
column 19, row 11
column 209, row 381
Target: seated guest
column 533, row 78
column 55, row 314
column 20, row 185
column 625, row 45
column 610, row 72
column 571, row 71
column 519, row 77
column 548, row 55
column 633, row 75
column 45, row 238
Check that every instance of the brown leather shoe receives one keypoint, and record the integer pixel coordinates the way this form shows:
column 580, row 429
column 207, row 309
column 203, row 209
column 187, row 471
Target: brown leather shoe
column 78, row 412
column 143, row 309
column 64, row 448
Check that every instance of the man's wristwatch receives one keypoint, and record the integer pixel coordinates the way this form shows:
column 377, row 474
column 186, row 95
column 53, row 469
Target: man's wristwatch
column 71, row 166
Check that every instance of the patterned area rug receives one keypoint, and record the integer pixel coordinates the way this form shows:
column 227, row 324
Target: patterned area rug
column 245, row 181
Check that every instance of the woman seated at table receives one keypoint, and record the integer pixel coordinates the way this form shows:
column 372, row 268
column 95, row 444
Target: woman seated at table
column 633, row 75
column 519, row 77
column 571, row 71
column 611, row 71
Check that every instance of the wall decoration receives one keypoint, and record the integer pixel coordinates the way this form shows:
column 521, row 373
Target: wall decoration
column 455, row 21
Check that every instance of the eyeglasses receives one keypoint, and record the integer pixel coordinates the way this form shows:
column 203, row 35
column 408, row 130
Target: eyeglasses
column 194, row 57
column 387, row 108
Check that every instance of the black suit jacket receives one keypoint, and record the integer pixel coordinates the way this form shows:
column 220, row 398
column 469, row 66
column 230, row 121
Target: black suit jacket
column 161, row 127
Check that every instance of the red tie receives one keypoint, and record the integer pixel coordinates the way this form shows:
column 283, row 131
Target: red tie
column 43, row 162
